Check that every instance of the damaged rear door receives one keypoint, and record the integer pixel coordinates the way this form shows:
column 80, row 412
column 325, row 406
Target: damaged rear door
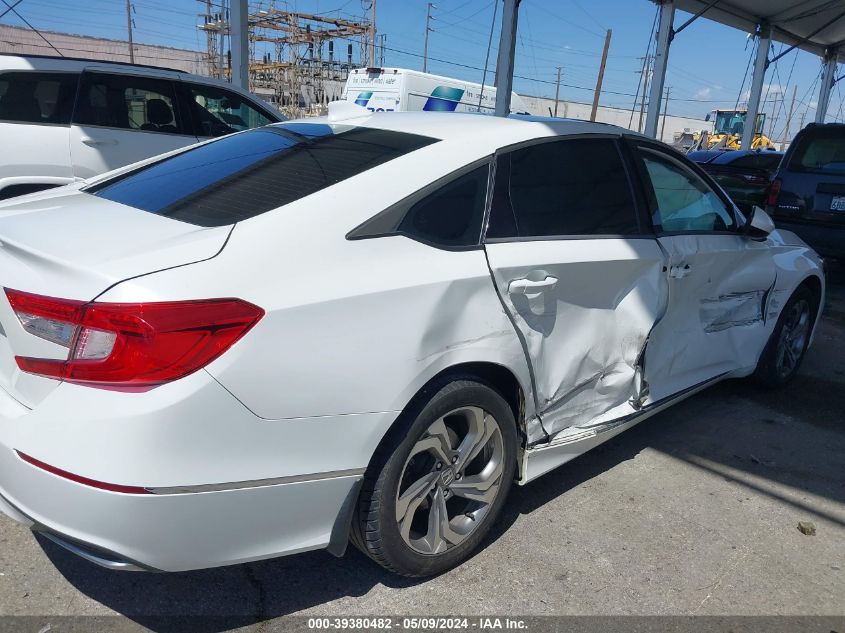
column 719, row 281
column 580, row 274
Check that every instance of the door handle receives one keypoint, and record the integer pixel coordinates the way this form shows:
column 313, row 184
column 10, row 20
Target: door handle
column 92, row 142
column 679, row 271
column 529, row 287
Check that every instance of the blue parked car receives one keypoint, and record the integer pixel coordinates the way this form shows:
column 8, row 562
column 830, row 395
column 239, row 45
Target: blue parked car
column 744, row 174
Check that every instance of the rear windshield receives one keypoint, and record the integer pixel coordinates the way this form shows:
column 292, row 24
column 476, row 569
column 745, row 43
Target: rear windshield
column 244, row 175
column 822, row 151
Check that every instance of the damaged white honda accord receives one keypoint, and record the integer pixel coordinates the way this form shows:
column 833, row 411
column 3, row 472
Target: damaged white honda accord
column 365, row 328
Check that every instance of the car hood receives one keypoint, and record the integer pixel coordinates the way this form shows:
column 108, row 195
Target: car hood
column 782, row 237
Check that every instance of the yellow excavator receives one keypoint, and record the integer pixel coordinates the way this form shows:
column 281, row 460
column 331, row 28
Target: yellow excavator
column 728, row 128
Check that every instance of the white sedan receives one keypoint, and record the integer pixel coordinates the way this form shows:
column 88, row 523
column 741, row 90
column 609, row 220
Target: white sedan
column 365, row 328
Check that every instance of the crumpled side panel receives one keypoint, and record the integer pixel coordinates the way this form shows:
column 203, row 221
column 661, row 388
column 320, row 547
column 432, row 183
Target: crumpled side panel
column 585, row 336
column 732, row 310
column 715, row 321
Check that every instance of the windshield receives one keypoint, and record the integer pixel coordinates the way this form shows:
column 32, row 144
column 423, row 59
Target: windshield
column 243, row 175
column 733, row 122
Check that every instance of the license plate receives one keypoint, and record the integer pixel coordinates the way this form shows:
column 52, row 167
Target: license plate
column 838, row 203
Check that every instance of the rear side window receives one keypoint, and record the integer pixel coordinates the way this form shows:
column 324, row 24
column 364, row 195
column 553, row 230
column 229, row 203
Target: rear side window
column 30, row 97
column 128, row 102
column 452, row 215
column 563, row 188
column 447, row 213
column 821, row 151
column 240, row 176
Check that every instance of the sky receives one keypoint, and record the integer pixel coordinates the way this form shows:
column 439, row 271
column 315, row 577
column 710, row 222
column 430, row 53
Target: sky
column 708, row 62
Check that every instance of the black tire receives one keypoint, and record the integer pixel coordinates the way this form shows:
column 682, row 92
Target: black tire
column 376, row 529
column 771, row 373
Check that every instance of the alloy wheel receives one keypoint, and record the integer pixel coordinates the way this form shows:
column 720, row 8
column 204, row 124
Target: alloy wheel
column 450, row 480
column 793, row 338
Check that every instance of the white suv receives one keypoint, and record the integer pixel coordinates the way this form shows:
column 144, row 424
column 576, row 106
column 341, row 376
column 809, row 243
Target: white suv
column 63, row 120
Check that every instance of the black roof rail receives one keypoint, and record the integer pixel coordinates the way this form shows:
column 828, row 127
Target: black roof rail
column 96, row 61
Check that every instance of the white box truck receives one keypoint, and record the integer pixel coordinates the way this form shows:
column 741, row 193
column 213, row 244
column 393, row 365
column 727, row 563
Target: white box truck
column 402, row 89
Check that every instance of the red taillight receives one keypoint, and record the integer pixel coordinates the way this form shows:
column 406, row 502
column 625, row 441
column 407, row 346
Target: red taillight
column 131, row 344
column 774, row 192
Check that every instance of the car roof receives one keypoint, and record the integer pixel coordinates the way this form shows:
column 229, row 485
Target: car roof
column 455, row 126
column 50, row 63
column 705, row 155
column 730, row 156
column 727, row 156
column 88, row 60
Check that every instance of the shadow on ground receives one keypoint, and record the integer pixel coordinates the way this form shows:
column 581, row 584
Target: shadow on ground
column 795, row 437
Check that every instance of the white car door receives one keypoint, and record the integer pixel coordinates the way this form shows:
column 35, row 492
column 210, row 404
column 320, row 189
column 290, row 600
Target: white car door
column 123, row 118
column 35, row 109
column 719, row 281
column 580, row 273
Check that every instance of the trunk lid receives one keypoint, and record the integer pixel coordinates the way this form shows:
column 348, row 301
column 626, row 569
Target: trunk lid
column 73, row 245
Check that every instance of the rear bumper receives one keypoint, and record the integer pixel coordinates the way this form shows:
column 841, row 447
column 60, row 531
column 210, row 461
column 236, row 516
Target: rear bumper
column 173, row 532
column 826, row 240
column 219, row 485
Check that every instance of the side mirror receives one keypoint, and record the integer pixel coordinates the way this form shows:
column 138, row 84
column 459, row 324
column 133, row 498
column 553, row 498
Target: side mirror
column 759, row 224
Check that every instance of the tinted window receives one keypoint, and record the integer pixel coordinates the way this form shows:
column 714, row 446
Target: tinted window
column 37, row 97
column 243, row 175
column 452, row 215
column 682, row 201
column 216, row 111
column 128, row 102
column 821, row 151
column 570, row 187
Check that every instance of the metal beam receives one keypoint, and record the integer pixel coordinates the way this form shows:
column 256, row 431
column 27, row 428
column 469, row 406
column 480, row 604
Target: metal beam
column 661, row 58
column 504, row 63
column 804, row 40
column 697, row 15
column 240, row 43
column 827, row 85
column 764, row 41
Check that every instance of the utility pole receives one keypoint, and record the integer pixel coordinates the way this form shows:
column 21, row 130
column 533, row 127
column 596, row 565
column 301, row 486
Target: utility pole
column 372, row 55
column 129, row 29
column 801, row 123
column 505, row 59
column 557, row 90
column 224, row 20
column 665, row 111
column 646, row 71
column 428, row 29
column 785, row 137
column 239, row 43
column 601, row 74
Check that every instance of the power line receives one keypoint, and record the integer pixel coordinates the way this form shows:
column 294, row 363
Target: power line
column 25, row 21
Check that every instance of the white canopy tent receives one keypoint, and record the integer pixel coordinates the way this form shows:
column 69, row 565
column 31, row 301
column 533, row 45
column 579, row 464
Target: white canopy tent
column 817, row 26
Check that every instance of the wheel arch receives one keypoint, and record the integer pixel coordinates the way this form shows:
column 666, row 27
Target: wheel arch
column 499, row 377
column 814, row 284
